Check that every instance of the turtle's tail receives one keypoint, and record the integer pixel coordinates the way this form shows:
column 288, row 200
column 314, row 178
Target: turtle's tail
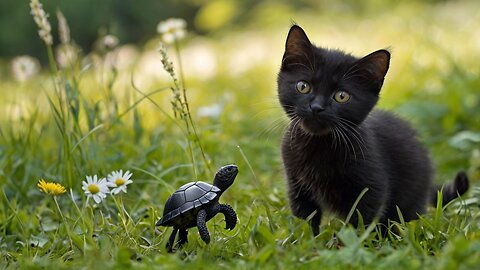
column 451, row 190
column 160, row 222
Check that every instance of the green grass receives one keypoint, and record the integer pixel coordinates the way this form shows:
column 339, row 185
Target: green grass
column 98, row 119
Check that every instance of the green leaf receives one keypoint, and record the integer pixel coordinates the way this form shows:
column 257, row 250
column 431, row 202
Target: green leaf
column 465, row 139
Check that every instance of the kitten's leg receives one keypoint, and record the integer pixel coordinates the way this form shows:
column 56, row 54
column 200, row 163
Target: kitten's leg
column 303, row 206
column 371, row 206
column 315, row 223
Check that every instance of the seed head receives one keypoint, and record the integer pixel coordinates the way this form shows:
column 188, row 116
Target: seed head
column 40, row 18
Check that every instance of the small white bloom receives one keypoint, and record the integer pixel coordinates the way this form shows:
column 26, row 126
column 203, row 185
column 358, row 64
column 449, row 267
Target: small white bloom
column 119, row 181
column 24, row 67
column 98, row 189
column 172, row 29
column 110, row 42
column 123, row 57
column 66, row 55
column 213, row 111
column 106, row 43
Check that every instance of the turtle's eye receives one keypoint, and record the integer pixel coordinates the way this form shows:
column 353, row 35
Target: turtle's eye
column 341, row 96
column 303, row 87
column 229, row 169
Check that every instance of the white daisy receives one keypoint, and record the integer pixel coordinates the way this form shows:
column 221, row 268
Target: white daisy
column 24, row 67
column 119, row 181
column 98, row 189
column 172, row 29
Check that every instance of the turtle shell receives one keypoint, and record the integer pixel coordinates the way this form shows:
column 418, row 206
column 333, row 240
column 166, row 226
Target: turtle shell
column 188, row 197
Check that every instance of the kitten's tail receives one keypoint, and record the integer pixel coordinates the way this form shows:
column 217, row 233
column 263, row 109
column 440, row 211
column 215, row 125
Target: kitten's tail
column 451, row 190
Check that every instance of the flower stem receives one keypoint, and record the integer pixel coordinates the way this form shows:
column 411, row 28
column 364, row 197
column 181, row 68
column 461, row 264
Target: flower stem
column 58, row 208
column 189, row 121
column 64, row 221
column 62, row 114
column 121, row 211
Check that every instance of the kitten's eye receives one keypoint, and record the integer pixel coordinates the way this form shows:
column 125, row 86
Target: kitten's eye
column 341, row 96
column 303, row 87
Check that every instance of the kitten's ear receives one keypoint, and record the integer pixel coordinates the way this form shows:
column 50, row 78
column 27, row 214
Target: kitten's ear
column 298, row 49
column 372, row 67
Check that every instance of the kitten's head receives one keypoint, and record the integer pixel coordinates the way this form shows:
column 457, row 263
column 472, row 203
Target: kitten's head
column 321, row 88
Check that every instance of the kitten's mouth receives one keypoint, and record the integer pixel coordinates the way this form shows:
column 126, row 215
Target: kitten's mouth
column 315, row 127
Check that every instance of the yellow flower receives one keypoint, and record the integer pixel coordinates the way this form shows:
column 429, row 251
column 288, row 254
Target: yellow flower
column 50, row 188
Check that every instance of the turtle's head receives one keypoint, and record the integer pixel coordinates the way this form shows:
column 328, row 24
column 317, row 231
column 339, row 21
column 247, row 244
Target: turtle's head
column 225, row 176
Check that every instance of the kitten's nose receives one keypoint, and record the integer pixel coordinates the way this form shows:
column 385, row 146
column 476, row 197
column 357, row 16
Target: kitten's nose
column 316, row 108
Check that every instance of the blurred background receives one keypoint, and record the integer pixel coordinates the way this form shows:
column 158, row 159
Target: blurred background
column 98, row 99
column 230, row 58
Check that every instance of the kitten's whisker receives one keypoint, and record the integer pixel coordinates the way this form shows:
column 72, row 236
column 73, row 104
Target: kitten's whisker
column 297, row 128
column 360, row 143
column 273, row 126
column 333, row 138
column 357, row 75
column 352, row 127
column 345, row 148
column 351, row 70
column 355, row 133
column 357, row 136
column 263, row 114
column 348, row 121
column 294, row 63
column 334, row 134
column 311, row 68
column 299, row 64
column 345, row 131
column 293, row 123
column 293, row 129
column 309, row 61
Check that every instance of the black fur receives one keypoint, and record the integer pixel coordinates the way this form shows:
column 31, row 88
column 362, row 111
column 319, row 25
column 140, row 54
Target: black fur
column 332, row 151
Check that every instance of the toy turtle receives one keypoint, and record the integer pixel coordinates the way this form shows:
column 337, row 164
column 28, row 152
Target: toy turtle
column 195, row 203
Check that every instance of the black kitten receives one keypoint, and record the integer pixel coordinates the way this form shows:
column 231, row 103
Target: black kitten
column 336, row 146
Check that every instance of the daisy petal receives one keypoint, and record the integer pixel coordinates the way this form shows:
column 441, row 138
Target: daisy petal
column 96, row 187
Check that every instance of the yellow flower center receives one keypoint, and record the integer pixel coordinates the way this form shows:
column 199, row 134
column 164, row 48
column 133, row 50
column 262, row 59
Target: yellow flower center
column 119, row 182
column 94, row 189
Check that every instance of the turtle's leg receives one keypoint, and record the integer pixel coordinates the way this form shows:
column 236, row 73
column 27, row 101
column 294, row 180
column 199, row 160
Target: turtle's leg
column 229, row 213
column 171, row 240
column 202, row 226
column 182, row 237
